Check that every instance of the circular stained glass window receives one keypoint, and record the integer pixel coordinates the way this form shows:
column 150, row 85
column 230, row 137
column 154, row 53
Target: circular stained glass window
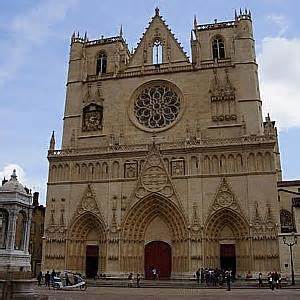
column 157, row 105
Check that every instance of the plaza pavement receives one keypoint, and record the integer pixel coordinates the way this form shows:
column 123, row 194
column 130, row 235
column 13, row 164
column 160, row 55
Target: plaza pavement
column 113, row 293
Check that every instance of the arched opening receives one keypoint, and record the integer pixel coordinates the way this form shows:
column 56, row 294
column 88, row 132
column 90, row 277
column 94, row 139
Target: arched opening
column 3, row 228
column 101, row 64
column 86, row 245
column 227, row 245
column 157, row 52
column 20, row 231
column 218, row 48
column 154, row 219
column 158, row 260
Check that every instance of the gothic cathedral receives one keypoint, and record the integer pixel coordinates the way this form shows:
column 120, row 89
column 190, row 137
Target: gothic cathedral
column 166, row 161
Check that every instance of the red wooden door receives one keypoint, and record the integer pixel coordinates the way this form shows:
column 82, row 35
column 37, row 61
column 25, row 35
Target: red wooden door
column 91, row 268
column 158, row 256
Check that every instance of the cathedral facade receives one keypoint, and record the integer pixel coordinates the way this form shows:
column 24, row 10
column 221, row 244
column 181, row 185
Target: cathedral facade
column 166, row 161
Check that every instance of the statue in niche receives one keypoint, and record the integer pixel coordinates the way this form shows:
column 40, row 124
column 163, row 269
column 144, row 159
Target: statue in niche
column 92, row 118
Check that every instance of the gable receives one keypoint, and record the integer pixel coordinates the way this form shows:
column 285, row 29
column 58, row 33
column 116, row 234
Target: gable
column 158, row 31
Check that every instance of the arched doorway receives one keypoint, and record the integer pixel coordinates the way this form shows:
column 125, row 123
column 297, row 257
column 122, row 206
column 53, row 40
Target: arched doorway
column 227, row 243
column 86, row 245
column 148, row 213
column 158, row 256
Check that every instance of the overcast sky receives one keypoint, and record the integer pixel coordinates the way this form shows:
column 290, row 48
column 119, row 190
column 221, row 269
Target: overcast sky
column 34, row 45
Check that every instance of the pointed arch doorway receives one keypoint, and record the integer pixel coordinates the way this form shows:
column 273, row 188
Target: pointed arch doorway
column 227, row 244
column 158, row 256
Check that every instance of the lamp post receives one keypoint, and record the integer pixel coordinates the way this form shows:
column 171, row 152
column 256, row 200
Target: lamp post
column 291, row 243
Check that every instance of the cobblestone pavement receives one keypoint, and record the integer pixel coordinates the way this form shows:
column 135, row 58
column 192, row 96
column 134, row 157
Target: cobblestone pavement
column 110, row 293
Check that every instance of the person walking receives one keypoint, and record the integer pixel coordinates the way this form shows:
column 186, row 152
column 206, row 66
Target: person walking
column 198, row 276
column 228, row 280
column 47, row 280
column 271, row 281
column 260, row 281
column 39, row 278
column 138, row 280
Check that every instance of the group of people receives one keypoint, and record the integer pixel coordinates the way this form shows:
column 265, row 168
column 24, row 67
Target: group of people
column 49, row 278
column 131, row 280
column 214, row 277
column 274, row 280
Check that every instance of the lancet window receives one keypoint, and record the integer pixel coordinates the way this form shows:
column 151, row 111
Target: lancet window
column 101, row 63
column 218, row 48
column 157, row 52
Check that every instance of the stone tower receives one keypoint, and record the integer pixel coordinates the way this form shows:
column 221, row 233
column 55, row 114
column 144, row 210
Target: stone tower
column 166, row 162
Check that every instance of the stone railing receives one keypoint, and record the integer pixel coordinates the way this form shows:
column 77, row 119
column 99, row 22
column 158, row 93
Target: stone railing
column 216, row 25
column 178, row 144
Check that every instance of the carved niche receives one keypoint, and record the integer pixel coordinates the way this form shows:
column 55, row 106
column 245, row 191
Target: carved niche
column 92, row 118
column 177, row 167
column 223, row 102
column 131, row 169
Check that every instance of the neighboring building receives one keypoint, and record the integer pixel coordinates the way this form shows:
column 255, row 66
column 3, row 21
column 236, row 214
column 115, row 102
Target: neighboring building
column 36, row 234
column 289, row 204
column 15, row 218
column 165, row 163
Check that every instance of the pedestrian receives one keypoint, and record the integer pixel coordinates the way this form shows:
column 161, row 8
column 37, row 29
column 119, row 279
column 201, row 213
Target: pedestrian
column 271, row 281
column 276, row 280
column 260, row 282
column 198, row 276
column 202, row 275
column 39, row 278
column 47, row 280
column 52, row 275
column 138, row 280
column 130, row 280
column 154, row 273
column 228, row 280
column 68, row 282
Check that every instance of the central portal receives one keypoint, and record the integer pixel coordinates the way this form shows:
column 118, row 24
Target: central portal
column 92, row 254
column 227, row 257
column 158, row 256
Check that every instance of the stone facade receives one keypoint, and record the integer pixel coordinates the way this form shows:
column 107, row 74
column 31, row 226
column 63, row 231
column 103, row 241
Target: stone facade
column 36, row 234
column 289, row 202
column 160, row 148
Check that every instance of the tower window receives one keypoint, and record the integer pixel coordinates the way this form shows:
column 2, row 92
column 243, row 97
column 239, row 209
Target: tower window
column 101, row 64
column 157, row 53
column 218, row 48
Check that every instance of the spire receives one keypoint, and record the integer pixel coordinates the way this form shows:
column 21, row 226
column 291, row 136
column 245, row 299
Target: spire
column 121, row 30
column 192, row 37
column 157, row 11
column 85, row 37
column 52, row 142
column 235, row 15
column 195, row 22
column 73, row 37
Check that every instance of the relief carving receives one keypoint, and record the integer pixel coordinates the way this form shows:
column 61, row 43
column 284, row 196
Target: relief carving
column 92, row 118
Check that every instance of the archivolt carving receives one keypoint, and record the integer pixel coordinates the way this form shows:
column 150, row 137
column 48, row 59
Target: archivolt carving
column 135, row 225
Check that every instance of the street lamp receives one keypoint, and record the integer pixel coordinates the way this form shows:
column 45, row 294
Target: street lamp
column 291, row 243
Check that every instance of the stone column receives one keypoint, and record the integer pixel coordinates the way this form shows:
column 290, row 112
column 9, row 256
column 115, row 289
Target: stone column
column 11, row 232
column 27, row 233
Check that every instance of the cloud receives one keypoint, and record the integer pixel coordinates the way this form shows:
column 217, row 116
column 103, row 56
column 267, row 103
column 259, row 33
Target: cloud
column 280, row 77
column 25, row 31
column 32, row 183
column 281, row 21
column 8, row 169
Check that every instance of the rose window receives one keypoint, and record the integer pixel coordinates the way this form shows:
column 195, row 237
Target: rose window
column 157, row 106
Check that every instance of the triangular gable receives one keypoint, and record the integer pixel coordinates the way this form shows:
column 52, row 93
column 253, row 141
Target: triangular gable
column 158, row 30
column 88, row 203
column 154, row 179
column 225, row 198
